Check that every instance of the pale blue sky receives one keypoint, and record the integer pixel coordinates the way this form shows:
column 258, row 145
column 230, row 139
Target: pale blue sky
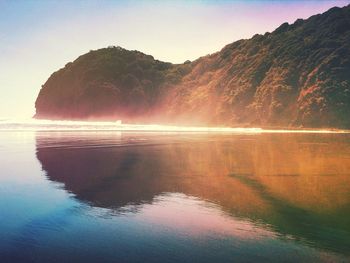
column 39, row 37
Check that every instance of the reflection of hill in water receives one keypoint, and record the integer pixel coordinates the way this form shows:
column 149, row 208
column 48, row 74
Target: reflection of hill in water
column 300, row 184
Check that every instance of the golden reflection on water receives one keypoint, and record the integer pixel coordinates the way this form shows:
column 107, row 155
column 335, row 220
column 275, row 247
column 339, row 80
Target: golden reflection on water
column 298, row 183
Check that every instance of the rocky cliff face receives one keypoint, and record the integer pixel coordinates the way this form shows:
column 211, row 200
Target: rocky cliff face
column 296, row 76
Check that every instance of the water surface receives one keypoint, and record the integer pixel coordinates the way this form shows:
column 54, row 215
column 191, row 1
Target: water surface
column 111, row 196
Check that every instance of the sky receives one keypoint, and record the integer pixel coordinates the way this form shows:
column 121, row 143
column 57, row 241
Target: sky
column 38, row 37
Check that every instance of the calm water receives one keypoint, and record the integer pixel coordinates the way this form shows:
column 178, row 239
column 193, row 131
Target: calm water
column 166, row 197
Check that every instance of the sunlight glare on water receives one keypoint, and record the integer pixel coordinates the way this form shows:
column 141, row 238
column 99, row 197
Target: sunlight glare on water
column 66, row 125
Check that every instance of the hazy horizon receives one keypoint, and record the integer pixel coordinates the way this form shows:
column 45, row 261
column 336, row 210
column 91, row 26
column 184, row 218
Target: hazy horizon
column 38, row 38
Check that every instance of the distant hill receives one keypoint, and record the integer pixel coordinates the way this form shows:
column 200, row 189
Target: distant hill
column 296, row 76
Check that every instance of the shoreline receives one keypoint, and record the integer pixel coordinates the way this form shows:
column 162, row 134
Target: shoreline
column 72, row 125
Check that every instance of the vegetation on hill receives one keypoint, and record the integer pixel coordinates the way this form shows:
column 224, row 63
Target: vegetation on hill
column 296, row 76
column 107, row 83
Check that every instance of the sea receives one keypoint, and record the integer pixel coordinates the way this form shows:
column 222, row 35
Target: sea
column 115, row 192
